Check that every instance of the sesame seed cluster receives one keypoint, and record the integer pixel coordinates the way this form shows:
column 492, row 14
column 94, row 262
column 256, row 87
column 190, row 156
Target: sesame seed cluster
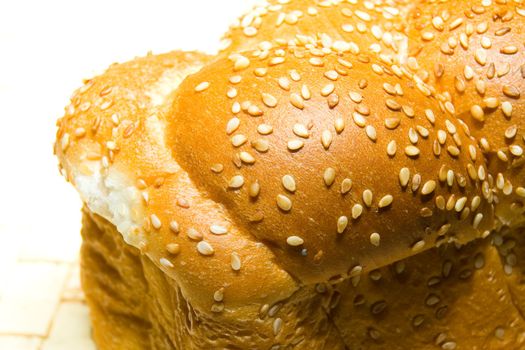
column 361, row 160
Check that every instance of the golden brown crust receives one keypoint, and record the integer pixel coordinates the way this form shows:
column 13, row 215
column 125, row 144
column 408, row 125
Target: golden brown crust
column 268, row 193
column 447, row 297
column 142, row 161
column 134, row 305
column 473, row 52
column 334, row 133
column 356, row 27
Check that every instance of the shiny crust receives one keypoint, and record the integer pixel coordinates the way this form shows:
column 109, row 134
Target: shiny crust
column 353, row 27
column 404, row 217
column 231, row 217
column 474, row 55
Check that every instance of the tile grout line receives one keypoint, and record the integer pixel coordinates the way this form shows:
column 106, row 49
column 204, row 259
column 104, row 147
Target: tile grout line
column 55, row 312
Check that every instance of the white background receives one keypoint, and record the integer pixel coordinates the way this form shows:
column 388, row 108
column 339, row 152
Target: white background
column 46, row 48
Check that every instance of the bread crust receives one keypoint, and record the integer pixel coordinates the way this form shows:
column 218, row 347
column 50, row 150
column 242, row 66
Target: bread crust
column 304, row 193
column 474, row 56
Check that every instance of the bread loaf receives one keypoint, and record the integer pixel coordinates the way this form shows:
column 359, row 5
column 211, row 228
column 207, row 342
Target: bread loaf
column 324, row 182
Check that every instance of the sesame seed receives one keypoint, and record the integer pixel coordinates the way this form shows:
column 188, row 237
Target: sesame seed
column 295, row 75
column 428, row 187
column 327, row 90
column 491, row 102
column 289, row 183
column 269, row 100
column 232, row 125
column 218, row 230
column 326, row 139
column 481, row 57
column 217, row 168
column 238, row 140
column 264, row 129
column 284, row 203
column 165, row 262
column 260, row 72
column 516, row 150
column 506, row 108
column 346, row 185
column 416, row 247
column 277, row 325
column 477, row 113
column 438, row 23
column 236, row 181
column 296, row 101
column 355, row 97
column 246, row 157
column 260, row 145
column 357, row 210
column 460, row 204
column 255, row 111
column 391, row 148
column 218, row 296
column 432, row 300
column 392, row 123
column 316, row 61
column 342, row 223
column 284, row 83
column 301, row 130
column 174, row 226
column 509, row 50
column 173, row 248
column 155, row 221
column 235, row 261
column 511, row 91
column 411, row 151
column 375, row 239
column 477, row 220
column 367, row 197
column 254, row 189
column 331, row 74
column 205, row 248
column 371, row 132
column 453, row 151
column 404, row 176
column 385, row 201
column 241, row 62
column 329, row 176
column 520, row 191
column 294, row 241
column 295, row 145
column 339, row 125
column 359, row 119
column 202, row 86
column 305, row 92
column 393, row 105
column 194, row 234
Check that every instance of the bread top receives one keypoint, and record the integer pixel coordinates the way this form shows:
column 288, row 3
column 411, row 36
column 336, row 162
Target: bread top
column 333, row 162
column 342, row 26
column 473, row 52
column 111, row 145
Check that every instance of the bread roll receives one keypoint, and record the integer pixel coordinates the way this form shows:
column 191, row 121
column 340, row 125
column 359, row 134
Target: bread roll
column 297, row 193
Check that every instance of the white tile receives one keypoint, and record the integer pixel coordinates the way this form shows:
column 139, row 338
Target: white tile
column 71, row 329
column 73, row 290
column 30, row 298
column 9, row 342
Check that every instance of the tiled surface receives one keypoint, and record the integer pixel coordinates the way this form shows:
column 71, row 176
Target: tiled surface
column 47, row 52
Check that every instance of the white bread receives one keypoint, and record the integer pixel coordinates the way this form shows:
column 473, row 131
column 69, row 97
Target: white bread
column 263, row 191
